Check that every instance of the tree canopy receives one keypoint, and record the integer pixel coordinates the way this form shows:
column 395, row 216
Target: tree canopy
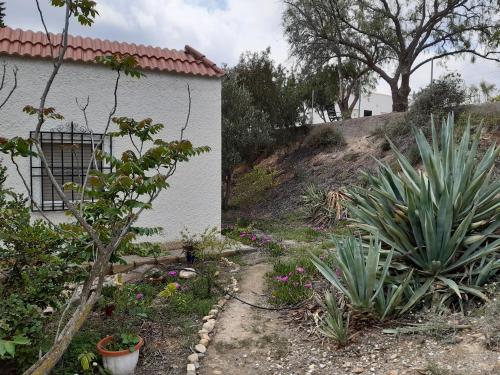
column 245, row 128
column 390, row 36
column 273, row 89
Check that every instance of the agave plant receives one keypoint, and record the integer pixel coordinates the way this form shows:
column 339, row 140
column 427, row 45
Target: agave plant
column 443, row 220
column 333, row 324
column 363, row 277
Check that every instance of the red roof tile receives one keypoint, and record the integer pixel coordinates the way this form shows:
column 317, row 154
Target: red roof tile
column 35, row 44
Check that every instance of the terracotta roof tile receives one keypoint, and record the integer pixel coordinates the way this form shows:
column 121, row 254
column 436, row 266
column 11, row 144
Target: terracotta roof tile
column 35, row 44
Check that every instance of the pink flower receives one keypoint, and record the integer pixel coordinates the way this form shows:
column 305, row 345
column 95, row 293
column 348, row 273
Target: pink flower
column 254, row 237
column 308, row 286
column 281, row 278
column 243, row 234
column 290, row 273
column 300, row 270
column 338, row 272
column 172, row 273
column 177, row 285
column 139, row 296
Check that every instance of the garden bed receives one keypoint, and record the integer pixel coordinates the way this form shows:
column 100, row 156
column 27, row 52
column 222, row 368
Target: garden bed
column 167, row 320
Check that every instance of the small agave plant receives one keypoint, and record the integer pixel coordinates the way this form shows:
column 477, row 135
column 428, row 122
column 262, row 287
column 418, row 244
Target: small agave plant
column 442, row 220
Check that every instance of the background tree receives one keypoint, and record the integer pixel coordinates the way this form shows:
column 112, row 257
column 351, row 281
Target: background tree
column 332, row 86
column 245, row 129
column 487, row 89
column 2, row 13
column 388, row 36
column 272, row 88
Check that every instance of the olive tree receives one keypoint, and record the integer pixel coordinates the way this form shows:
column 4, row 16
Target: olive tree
column 245, row 129
column 393, row 38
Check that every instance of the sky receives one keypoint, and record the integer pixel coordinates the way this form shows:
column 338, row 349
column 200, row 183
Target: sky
column 221, row 29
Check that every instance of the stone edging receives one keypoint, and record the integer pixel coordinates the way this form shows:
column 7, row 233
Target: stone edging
column 209, row 322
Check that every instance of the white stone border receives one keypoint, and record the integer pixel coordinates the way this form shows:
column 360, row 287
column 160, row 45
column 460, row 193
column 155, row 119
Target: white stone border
column 209, row 322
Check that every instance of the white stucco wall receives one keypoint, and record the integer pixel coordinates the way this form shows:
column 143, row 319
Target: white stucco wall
column 375, row 102
column 193, row 200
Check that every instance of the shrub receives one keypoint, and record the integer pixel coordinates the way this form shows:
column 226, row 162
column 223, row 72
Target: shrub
column 325, row 135
column 441, row 221
column 324, row 208
column 33, row 276
column 252, row 186
column 437, row 99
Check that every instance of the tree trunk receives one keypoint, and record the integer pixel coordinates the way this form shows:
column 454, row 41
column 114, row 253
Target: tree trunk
column 400, row 94
column 345, row 109
column 228, row 180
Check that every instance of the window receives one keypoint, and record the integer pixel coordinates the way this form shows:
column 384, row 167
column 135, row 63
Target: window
column 68, row 154
column 367, row 113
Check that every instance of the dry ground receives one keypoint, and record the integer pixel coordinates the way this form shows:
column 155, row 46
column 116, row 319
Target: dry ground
column 250, row 341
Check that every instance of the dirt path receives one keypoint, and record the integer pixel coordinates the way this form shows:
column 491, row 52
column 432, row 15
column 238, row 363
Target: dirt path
column 246, row 338
column 250, row 341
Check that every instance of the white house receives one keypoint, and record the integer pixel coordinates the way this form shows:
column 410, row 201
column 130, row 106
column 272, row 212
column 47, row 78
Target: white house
column 369, row 105
column 193, row 201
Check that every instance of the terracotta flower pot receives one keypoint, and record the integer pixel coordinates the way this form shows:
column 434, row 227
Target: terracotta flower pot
column 122, row 362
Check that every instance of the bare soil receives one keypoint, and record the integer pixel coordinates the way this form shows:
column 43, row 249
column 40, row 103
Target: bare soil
column 250, row 341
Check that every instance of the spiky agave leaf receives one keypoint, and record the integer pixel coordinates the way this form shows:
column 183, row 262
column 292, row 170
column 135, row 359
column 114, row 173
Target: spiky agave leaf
column 440, row 220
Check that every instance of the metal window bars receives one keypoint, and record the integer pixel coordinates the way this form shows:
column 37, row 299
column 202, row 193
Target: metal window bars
column 68, row 153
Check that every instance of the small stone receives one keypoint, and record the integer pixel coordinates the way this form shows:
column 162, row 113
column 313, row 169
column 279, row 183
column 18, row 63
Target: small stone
column 217, row 372
column 393, row 372
column 200, row 348
column 394, row 356
column 205, row 336
column 204, row 342
column 358, row 370
column 209, row 325
column 192, row 358
column 187, row 273
column 213, row 312
column 191, row 369
column 208, row 317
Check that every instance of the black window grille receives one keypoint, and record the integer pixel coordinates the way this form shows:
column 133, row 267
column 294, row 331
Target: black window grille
column 68, row 154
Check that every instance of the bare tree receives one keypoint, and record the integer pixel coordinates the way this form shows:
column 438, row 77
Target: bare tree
column 390, row 37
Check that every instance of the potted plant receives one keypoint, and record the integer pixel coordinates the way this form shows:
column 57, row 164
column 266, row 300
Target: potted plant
column 120, row 353
column 189, row 245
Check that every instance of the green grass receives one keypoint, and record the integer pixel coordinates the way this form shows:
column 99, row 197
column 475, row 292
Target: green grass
column 179, row 315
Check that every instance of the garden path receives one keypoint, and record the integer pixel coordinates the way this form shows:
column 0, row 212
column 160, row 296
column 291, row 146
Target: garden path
column 247, row 339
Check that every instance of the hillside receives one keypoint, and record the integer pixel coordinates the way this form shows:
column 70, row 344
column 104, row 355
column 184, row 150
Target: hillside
column 331, row 168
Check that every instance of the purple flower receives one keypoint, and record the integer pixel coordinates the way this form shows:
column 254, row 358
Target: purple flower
column 282, row 278
column 172, row 273
column 177, row 285
column 243, row 234
column 300, row 270
column 308, row 286
column 322, row 257
column 338, row 272
column 254, row 237
column 139, row 296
